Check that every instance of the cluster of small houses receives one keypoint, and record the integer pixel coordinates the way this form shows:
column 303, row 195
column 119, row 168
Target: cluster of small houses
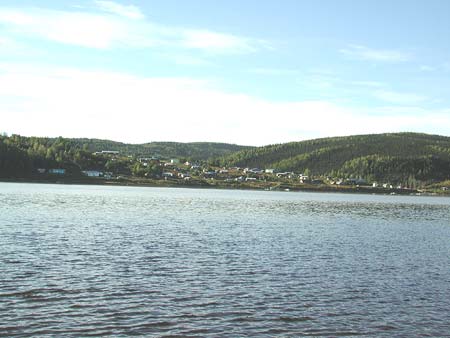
column 173, row 169
column 89, row 173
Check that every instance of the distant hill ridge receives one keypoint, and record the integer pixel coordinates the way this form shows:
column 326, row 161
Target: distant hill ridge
column 404, row 158
column 393, row 156
column 192, row 150
column 22, row 156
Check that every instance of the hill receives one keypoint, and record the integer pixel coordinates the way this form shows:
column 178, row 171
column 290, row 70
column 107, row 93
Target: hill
column 197, row 151
column 409, row 159
column 396, row 157
column 22, row 156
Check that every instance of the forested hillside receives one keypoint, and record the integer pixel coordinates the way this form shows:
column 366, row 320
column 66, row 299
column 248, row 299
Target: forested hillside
column 404, row 158
column 193, row 150
column 22, row 156
column 396, row 157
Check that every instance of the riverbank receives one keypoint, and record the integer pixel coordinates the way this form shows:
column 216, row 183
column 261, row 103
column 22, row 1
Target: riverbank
column 216, row 184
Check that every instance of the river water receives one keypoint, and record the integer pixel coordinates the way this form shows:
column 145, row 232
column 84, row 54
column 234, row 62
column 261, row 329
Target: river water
column 79, row 261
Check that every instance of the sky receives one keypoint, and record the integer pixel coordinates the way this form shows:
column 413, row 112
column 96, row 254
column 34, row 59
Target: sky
column 251, row 72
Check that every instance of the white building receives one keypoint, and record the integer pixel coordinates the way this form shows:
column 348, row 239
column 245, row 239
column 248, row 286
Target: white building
column 92, row 173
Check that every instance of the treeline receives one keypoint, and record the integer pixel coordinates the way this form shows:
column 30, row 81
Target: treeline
column 407, row 158
column 194, row 151
column 410, row 172
column 22, row 156
column 399, row 157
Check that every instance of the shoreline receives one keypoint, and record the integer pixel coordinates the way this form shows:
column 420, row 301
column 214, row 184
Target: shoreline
column 262, row 186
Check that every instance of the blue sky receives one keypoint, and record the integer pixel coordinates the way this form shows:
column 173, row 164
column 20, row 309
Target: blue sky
column 248, row 72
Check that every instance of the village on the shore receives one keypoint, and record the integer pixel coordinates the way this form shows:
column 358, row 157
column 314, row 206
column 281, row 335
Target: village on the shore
column 154, row 170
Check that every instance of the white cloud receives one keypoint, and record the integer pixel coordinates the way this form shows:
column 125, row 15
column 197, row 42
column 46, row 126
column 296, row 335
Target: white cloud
column 216, row 42
column 103, row 31
column 446, row 66
column 426, row 68
column 50, row 101
column 129, row 11
column 188, row 60
column 399, row 98
column 73, row 28
column 323, row 82
column 376, row 55
column 370, row 84
column 273, row 71
column 4, row 41
column 402, row 110
column 6, row 44
column 15, row 48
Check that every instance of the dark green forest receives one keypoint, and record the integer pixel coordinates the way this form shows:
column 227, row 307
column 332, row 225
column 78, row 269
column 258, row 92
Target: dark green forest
column 194, row 151
column 22, row 156
column 398, row 157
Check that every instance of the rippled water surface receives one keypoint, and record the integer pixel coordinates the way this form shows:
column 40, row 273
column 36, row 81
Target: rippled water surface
column 96, row 261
